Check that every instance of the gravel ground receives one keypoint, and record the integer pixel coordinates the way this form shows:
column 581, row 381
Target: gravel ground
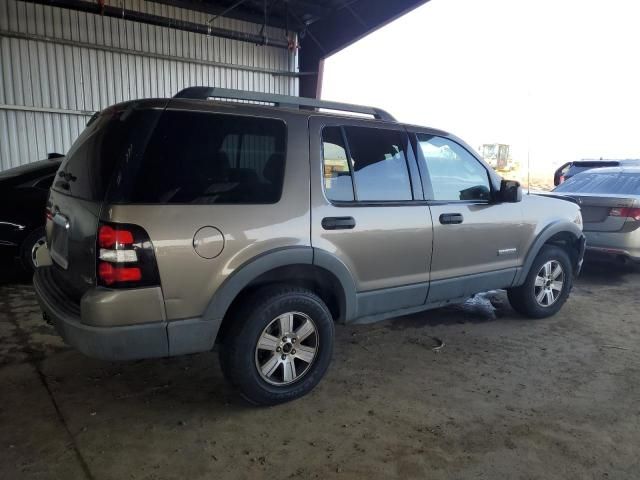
column 505, row 397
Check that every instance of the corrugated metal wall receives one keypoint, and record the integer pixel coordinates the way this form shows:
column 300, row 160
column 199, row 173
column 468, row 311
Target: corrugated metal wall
column 59, row 66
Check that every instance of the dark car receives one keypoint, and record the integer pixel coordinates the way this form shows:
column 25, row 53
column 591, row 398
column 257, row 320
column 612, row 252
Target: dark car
column 23, row 197
column 569, row 169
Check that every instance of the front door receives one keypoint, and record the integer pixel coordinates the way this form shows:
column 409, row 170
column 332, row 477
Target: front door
column 368, row 210
column 477, row 242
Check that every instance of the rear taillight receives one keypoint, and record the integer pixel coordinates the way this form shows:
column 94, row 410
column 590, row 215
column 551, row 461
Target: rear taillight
column 125, row 257
column 109, row 237
column 110, row 274
column 626, row 212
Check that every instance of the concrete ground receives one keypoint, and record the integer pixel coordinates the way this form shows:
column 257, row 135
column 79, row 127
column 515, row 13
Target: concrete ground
column 505, row 397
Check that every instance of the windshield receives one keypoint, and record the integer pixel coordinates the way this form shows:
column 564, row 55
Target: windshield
column 599, row 182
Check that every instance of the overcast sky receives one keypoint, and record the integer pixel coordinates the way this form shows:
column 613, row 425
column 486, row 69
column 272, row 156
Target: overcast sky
column 558, row 80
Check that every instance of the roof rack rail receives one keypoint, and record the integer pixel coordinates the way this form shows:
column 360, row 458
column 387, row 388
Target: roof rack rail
column 204, row 93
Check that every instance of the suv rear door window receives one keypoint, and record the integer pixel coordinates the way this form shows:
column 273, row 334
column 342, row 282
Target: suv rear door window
column 455, row 174
column 379, row 164
column 205, row 158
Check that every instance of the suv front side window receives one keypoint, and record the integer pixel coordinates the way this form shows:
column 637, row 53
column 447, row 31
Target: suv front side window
column 455, row 174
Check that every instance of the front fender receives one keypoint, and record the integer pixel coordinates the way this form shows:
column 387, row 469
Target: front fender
column 559, row 226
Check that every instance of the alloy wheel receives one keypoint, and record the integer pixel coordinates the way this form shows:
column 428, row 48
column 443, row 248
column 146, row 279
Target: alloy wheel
column 286, row 348
column 549, row 283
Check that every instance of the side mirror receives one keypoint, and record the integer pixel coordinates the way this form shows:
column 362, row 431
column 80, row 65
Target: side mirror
column 510, row 191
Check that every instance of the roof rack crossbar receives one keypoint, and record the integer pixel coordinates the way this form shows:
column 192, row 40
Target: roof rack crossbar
column 204, row 93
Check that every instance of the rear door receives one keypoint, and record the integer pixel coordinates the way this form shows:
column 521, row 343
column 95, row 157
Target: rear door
column 477, row 243
column 368, row 210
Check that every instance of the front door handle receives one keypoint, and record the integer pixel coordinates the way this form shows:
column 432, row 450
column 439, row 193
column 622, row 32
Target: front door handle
column 451, row 218
column 338, row 223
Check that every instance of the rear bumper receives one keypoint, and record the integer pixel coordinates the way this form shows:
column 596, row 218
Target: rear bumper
column 609, row 253
column 616, row 244
column 119, row 342
column 125, row 342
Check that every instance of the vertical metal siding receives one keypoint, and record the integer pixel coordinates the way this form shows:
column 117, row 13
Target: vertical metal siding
column 48, row 88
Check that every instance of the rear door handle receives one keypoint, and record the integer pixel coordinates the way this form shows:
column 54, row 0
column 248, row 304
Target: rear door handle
column 451, row 218
column 338, row 223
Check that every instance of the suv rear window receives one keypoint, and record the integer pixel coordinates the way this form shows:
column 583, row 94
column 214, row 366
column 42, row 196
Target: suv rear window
column 114, row 137
column 206, row 158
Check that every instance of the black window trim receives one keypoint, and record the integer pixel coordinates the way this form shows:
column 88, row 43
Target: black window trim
column 426, row 177
column 347, row 151
column 410, row 156
column 379, row 203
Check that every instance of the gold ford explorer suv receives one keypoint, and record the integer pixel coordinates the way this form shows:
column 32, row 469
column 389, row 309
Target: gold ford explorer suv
column 176, row 224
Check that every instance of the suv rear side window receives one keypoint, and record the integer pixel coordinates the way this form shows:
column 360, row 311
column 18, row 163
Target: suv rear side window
column 205, row 158
column 455, row 174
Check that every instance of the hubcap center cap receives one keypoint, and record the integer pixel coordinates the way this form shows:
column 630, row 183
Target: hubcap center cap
column 286, row 348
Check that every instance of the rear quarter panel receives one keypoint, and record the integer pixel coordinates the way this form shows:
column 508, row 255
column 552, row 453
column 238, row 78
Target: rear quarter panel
column 190, row 281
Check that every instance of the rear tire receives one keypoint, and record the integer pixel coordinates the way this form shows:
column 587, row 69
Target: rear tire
column 547, row 285
column 278, row 346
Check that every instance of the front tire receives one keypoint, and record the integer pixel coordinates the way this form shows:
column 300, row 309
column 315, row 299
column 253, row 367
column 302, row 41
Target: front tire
column 278, row 346
column 547, row 285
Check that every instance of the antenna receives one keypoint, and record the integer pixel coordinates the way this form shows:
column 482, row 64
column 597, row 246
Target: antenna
column 529, row 141
column 528, row 170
